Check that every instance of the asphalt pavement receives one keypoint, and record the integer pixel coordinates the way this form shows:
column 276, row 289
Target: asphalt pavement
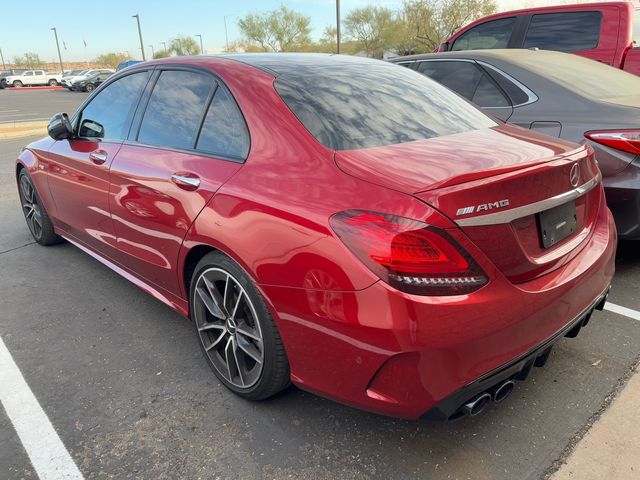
column 123, row 382
column 24, row 104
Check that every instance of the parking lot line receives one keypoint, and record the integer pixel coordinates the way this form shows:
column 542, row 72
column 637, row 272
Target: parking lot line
column 48, row 455
column 620, row 310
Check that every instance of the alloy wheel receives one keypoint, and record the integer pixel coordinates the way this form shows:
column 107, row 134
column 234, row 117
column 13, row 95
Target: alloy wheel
column 228, row 328
column 30, row 206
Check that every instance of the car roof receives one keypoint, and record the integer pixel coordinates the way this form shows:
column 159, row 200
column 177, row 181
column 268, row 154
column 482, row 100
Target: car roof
column 510, row 55
column 300, row 63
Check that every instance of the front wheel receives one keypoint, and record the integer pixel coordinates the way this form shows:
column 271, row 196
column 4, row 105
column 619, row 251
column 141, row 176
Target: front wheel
column 237, row 334
column 89, row 88
column 53, row 82
column 17, row 83
column 35, row 214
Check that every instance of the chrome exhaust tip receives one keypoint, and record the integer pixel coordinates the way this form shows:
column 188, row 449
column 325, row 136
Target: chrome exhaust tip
column 477, row 405
column 503, row 391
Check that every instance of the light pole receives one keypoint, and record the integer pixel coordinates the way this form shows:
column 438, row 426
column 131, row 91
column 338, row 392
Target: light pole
column 55, row 32
column 164, row 45
column 226, row 35
column 152, row 52
column 338, row 26
column 4, row 67
column 201, row 47
column 137, row 17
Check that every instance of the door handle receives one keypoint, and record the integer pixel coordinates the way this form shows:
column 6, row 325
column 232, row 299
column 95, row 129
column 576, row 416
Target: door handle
column 98, row 157
column 186, row 181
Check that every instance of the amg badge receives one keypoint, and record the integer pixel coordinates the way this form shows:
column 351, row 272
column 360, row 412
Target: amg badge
column 483, row 207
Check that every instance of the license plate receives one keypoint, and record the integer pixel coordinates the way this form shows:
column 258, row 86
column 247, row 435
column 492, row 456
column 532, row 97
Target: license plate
column 557, row 223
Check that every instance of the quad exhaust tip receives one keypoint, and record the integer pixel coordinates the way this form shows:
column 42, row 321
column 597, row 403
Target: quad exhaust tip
column 477, row 405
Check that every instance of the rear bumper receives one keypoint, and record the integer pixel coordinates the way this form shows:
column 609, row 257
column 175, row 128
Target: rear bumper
column 623, row 198
column 402, row 355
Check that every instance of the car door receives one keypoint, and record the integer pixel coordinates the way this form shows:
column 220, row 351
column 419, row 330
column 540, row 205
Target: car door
column 190, row 139
column 79, row 167
column 27, row 78
column 39, row 78
column 468, row 79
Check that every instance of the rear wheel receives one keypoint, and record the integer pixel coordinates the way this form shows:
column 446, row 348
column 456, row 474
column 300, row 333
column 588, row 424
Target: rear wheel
column 236, row 331
column 35, row 214
column 17, row 83
column 53, row 82
column 89, row 87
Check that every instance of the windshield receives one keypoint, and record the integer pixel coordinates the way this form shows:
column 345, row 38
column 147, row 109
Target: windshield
column 581, row 75
column 348, row 106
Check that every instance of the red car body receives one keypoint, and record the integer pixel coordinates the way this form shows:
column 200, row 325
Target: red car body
column 348, row 335
column 616, row 41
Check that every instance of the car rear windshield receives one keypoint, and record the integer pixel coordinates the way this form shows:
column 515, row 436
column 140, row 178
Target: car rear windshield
column 349, row 106
column 581, row 75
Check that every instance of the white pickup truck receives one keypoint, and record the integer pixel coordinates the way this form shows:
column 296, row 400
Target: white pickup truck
column 33, row 77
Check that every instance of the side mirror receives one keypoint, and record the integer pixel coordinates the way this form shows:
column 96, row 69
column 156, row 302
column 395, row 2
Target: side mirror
column 90, row 129
column 60, row 127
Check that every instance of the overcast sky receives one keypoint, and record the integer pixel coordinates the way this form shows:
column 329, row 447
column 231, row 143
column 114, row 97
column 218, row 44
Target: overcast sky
column 107, row 26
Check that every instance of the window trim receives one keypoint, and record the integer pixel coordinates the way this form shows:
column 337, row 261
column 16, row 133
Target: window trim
column 532, row 97
column 138, row 117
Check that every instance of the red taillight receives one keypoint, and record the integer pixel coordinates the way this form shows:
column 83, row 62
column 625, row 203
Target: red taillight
column 625, row 140
column 409, row 255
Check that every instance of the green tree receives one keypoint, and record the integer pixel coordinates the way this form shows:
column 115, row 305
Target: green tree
column 183, row 45
column 28, row 60
column 111, row 59
column 281, row 30
column 427, row 23
column 161, row 54
column 373, row 28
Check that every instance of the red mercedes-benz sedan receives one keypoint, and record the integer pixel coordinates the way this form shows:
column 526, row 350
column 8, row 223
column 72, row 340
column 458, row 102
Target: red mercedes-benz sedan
column 344, row 224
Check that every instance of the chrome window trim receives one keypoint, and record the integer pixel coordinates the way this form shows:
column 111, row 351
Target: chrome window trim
column 508, row 216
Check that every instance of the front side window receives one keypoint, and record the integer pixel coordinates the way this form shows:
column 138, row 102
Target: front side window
column 224, row 131
column 108, row 115
column 493, row 34
column 28, row 74
column 564, row 32
column 356, row 105
column 175, row 109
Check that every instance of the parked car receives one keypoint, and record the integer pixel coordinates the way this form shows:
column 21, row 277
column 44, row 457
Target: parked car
column 561, row 95
column 126, row 63
column 33, row 78
column 337, row 222
column 69, row 81
column 608, row 32
column 90, row 83
column 5, row 73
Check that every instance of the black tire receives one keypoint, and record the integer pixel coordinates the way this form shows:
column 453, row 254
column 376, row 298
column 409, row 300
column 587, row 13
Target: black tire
column 53, row 82
column 89, row 87
column 35, row 214
column 18, row 83
column 274, row 374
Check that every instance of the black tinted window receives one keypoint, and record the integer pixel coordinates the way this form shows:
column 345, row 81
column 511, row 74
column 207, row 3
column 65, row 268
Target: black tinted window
column 224, row 131
column 113, row 107
column 493, row 34
column 564, row 32
column 356, row 104
column 487, row 94
column 514, row 92
column 461, row 77
column 175, row 108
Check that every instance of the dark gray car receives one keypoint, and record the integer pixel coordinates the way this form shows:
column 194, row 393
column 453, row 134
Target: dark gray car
column 561, row 95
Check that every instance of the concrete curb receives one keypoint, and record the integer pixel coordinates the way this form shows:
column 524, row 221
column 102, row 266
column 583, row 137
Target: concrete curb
column 13, row 130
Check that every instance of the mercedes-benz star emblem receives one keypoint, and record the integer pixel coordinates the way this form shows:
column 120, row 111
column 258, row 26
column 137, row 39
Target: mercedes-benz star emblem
column 574, row 176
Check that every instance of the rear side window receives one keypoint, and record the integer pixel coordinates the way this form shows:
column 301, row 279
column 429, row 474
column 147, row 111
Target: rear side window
column 515, row 93
column 112, row 109
column 224, row 131
column 175, row 108
column 564, row 32
column 493, row 34
column 467, row 79
column 369, row 104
